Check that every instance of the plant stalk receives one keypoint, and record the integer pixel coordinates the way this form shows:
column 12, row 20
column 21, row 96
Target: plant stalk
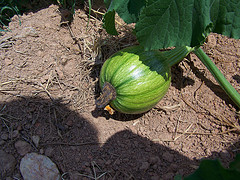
column 226, row 86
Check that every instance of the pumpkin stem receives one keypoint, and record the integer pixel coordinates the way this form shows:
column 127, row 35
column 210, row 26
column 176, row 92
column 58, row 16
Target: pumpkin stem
column 177, row 54
column 108, row 94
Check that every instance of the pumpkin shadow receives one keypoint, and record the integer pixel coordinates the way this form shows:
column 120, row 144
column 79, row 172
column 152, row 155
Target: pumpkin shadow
column 116, row 116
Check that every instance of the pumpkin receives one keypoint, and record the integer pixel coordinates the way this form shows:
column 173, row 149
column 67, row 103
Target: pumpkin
column 134, row 80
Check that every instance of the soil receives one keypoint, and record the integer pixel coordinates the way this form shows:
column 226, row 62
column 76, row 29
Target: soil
column 49, row 82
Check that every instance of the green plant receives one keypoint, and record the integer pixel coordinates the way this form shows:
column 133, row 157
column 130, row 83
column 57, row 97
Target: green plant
column 212, row 169
column 8, row 8
column 68, row 4
column 165, row 23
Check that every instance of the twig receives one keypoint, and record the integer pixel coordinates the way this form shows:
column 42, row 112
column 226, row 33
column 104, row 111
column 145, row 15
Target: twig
column 169, row 108
column 20, row 52
column 185, row 132
column 199, row 133
column 176, row 129
column 74, row 37
column 3, row 120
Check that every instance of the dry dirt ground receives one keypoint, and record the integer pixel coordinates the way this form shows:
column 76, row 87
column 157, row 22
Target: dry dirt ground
column 49, row 82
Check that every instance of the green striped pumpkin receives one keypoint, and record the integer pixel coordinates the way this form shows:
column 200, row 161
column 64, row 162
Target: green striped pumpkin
column 140, row 79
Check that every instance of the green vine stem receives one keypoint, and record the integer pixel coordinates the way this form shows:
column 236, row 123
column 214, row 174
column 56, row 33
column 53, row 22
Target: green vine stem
column 226, row 86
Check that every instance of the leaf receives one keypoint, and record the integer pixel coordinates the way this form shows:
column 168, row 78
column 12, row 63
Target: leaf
column 166, row 23
column 236, row 163
column 178, row 177
column 109, row 23
column 128, row 10
column 212, row 169
column 228, row 21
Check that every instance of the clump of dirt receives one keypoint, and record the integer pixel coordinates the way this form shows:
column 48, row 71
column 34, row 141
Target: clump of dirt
column 49, row 83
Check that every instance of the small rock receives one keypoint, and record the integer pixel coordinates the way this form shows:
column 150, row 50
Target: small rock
column 36, row 140
column 184, row 149
column 159, row 128
column 155, row 177
column 9, row 178
column 2, row 142
column 69, row 123
column 8, row 62
column 168, row 156
column 41, row 151
column 15, row 134
column 164, row 136
column 211, row 40
column 169, row 175
column 22, row 147
column 27, row 31
column 17, row 176
column 144, row 166
column 225, row 154
column 4, row 136
column 49, row 151
column 108, row 162
column 7, row 163
column 87, row 164
column 153, row 160
column 35, row 166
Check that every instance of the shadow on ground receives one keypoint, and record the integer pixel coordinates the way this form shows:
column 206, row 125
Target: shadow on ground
column 71, row 141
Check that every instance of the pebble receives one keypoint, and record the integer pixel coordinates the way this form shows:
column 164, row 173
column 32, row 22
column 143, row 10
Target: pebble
column 9, row 178
column 49, row 151
column 15, row 134
column 164, row 136
column 36, row 140
column 69, row 123
column 2, row 142
column 27, row 31
column 211, row 40
column 4, row 136
column 36, row 166
column 108, row 162
column 22, row 147
column 41, row 151
column 155, row 177
column 184, row 149
column 168, row 156
column 8, row 62
column 153, row 160
column 7, row 163
column 169, row 175
column 145, row 165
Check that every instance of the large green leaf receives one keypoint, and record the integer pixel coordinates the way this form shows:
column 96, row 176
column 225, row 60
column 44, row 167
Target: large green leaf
column 128, row 10
column 165, row 23
column 212, row 169
column 236, row 163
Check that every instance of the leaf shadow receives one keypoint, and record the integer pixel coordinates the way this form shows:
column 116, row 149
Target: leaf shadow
column 72, row 141
column 218, row 91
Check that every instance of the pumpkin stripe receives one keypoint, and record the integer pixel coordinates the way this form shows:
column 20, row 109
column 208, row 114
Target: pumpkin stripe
column 136, row 71
column 116, row 68
column 142, row 98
